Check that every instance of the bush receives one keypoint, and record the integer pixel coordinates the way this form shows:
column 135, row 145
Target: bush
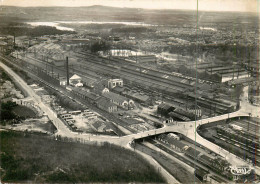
column 6, row 111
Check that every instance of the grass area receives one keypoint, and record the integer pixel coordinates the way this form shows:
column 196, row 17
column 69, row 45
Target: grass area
column 29, row 157
column 10, row 111
column 48, row 127
column 36, row 125
column 23, row 111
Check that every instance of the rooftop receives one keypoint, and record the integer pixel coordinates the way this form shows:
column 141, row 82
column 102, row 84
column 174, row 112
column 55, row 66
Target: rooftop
column 164, row 106
column 115, row 97
column 175, row 142
column 75, row 77
column 192, row 152
column 119, row 89
column 139, row 96
column 104, row 102
column 115, row 80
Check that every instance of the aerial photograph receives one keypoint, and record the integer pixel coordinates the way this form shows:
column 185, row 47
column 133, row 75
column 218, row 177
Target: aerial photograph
column 129, row 91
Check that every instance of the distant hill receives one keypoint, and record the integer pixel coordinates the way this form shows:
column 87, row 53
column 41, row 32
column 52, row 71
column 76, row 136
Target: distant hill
column 106, row 13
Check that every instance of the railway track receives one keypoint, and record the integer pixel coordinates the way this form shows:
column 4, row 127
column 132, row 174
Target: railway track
column 135, row 75
column 42, row 64
column 148, row 81
column 175, row 77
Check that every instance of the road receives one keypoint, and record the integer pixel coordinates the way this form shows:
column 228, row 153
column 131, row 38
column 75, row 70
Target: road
column 169, row 178
column 186, row 128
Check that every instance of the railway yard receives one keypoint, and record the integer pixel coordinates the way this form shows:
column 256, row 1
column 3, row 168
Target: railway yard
column 153, row 82
column 112, row 96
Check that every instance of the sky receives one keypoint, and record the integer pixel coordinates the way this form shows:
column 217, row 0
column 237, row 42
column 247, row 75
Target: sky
column 207, row 5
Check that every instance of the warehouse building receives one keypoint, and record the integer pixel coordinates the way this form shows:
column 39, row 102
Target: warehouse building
column 105, row 104
column 119, row 100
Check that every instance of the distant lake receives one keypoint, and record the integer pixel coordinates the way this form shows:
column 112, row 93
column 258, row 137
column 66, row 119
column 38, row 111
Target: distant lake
column 52, row 24
column 57, row 24
column 208, row 28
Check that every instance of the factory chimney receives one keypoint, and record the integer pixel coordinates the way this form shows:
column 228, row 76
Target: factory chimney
column 67, row 69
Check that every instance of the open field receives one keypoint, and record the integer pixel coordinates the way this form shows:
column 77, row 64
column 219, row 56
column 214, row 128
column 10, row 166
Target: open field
column 28, row 157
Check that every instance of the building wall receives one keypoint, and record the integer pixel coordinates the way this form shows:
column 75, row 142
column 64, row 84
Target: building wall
column 115, row 82
column 109, row 109
column 112, row 109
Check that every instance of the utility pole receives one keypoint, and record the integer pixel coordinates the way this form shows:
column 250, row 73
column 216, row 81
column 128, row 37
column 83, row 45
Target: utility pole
column 14, row 40
column 67, row 68
column 52, row 70
column 233, row 73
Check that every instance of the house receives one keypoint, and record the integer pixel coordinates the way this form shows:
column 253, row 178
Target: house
column 75, row 79
column 115, row 82
column 173, row 142
column 118, row 99
column 100, row 90
column 100, row 87
column 63, row 81
column 105, row 104
column 105, row 90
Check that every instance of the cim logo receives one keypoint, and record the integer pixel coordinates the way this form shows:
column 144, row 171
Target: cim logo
column 240, row 170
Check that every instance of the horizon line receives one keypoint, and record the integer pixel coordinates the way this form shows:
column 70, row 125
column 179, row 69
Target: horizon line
column 230, row 11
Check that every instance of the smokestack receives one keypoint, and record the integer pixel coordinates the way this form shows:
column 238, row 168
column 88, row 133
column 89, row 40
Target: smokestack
column 67, row 69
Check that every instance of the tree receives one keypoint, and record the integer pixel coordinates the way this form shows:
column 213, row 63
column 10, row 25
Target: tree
column 100, row 46
column 6, row 111
column 157, row 125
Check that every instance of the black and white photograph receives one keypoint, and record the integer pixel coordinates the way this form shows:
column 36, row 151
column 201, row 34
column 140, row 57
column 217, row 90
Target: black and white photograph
column 129, row 91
